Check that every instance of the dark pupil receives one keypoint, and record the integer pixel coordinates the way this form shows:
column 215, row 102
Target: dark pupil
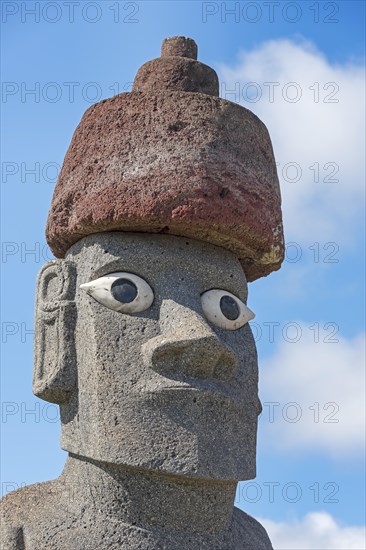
column 229, row 308
column 124, row 291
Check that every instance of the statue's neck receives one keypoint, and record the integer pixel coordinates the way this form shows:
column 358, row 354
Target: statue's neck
column 147, row 499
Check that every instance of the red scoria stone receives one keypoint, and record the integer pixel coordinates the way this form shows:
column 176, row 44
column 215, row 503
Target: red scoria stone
column 172, row 157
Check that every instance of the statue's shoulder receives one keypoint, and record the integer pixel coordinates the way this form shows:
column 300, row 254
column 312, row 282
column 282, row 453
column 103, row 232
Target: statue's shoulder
column 249, row 532
column 21, row 508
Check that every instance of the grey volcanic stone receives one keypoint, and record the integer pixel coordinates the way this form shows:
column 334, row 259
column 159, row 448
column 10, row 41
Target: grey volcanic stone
column 100, row 508
column 167, row 203
column 156, row 447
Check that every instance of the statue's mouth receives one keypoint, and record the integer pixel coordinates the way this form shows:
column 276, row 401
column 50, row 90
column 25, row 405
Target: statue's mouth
column 204, row 391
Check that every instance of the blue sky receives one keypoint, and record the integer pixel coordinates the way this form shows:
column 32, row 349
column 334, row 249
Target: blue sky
column 310, row 322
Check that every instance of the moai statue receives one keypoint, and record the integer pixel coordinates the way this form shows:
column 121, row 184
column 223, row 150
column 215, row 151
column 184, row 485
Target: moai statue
column 167, row 204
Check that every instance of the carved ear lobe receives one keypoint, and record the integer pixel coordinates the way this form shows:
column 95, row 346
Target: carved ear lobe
column 54, row 375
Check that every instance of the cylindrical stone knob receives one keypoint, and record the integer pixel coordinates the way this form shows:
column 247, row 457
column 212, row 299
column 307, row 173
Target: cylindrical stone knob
column 177, row 70
column 179, row 46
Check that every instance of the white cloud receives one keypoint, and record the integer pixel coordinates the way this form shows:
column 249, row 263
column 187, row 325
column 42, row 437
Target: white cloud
column 311, row 130
column 329, row 378
column 316, row 531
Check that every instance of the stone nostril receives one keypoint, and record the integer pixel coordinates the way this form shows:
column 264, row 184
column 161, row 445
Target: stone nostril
column 204, row 357
column 226, row 365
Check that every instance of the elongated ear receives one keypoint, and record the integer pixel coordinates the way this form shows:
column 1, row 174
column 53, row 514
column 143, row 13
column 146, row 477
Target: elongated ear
column 54, row 375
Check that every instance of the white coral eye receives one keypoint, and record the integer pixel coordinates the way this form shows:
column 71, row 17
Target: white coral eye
column 225, row 310
column 123, row 292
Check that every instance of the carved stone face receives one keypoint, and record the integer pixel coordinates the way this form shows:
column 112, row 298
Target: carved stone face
column 165, row 388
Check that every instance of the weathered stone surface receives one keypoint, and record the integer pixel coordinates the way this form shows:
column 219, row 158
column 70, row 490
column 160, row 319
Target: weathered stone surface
column 179, row 46
column 176, row 70
column 176, row 74
column 141, row 337
column 97, row 507
column 126, row 409
column 163, row 160
column 154, row 453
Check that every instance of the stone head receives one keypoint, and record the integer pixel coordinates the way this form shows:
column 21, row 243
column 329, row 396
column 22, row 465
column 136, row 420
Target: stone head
column 167, row 204
column 172, row 388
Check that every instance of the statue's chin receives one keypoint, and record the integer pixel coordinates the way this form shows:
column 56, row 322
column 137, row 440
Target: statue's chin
column 185, row 433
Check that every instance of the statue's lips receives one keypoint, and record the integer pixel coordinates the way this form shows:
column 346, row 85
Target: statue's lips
column 204, row 391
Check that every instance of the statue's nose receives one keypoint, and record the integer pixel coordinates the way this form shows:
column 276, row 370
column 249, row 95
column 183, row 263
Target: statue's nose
column 188, row 346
